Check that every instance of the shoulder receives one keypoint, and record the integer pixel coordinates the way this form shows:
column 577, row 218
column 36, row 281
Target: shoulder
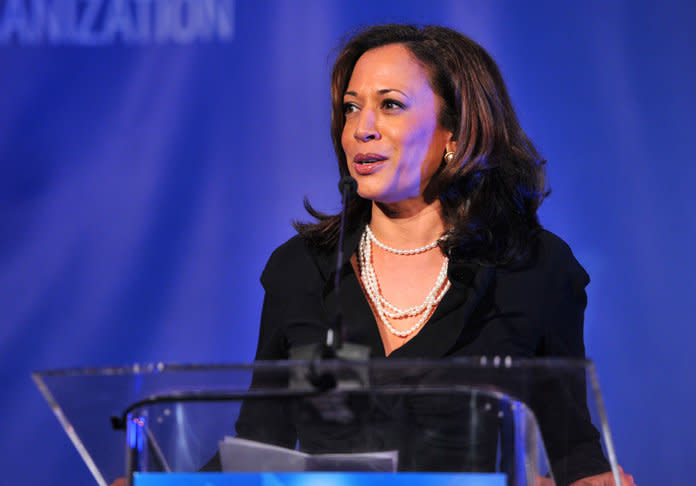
column 550, row 289
column 549, row 277
column 535, row 307
column 557, row 259
column 548, row 258
column 292, row 262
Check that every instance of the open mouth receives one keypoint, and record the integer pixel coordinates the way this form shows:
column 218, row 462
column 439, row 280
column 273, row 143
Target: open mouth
column 366, row 164
column 365, row 159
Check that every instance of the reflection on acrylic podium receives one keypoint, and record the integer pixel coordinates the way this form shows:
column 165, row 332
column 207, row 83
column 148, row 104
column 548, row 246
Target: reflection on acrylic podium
column 463, row 421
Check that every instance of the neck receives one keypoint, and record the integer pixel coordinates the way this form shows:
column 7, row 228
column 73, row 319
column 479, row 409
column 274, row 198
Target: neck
column 407, row 225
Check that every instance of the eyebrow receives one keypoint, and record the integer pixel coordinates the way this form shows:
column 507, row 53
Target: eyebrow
column 381, row 92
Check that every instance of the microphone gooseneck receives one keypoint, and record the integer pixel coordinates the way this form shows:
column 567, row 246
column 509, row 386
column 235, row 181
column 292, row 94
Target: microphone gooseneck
column 335, row 335
column 334, row 345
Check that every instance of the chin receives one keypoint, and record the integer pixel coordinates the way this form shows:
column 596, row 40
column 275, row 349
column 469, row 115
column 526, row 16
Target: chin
column 368, row 195
column 367, row 191
column 373, row 194
column 379, row 193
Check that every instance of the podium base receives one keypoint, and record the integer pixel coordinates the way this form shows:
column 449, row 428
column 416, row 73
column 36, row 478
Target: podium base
column 315, row 478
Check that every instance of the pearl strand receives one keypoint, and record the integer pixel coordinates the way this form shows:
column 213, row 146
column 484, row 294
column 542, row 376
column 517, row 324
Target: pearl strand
column 394, row 312
column 369, row 278
column 397, row 251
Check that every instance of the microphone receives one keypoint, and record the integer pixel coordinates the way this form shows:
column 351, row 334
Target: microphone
column 347, row 182
column 334, row 346
column 336, row 335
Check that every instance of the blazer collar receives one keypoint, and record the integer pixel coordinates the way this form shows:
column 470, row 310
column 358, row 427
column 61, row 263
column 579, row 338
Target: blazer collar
column 327, row 262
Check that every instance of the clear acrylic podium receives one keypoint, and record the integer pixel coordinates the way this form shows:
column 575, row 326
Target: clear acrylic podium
column 473, row 415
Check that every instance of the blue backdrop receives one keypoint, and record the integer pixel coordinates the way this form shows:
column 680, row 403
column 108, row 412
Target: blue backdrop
column 154, row 152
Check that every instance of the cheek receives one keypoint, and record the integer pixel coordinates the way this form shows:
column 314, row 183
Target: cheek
column 419, row 144
column 346, row 138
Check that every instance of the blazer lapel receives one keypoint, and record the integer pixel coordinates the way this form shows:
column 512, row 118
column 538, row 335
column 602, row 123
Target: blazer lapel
column 469, row 284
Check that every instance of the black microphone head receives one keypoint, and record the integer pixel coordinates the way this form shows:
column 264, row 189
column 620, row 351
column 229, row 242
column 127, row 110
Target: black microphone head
column 349, row 183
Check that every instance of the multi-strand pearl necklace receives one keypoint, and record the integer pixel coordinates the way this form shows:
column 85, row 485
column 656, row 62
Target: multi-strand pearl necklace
column 385, row 309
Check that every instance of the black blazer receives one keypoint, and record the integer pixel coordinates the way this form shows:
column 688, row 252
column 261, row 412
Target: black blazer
column 534, row 309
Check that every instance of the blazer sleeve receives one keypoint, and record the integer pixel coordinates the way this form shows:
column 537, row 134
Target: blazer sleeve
column 560, row 401
column 292, row 315
column 268, row 419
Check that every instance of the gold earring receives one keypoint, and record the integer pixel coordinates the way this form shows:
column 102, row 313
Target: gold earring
column 449, row 157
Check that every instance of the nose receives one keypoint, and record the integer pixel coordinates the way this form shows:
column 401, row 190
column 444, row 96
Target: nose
column 365, row 129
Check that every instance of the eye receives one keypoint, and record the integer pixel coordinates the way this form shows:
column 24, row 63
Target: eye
column 392, row 105
column 349, row 108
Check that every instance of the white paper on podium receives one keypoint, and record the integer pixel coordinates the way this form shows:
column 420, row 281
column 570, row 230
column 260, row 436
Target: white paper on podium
column 242, row 455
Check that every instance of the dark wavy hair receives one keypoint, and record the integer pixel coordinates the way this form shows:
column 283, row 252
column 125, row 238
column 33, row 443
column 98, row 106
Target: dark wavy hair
column 491, row 190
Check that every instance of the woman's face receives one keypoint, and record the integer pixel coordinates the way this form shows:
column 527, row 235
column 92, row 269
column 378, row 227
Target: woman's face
column 392, row 139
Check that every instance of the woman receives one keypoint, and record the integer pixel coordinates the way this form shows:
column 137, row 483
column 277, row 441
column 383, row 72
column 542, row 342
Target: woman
column 444, row 254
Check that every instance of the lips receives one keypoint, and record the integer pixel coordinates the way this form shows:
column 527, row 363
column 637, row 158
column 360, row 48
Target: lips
column 367, row 163
column 368, row 158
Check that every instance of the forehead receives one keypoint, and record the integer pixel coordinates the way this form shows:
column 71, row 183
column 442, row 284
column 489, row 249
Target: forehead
column 389, row 67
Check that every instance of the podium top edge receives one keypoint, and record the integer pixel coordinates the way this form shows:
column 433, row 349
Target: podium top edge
column 474, row 362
